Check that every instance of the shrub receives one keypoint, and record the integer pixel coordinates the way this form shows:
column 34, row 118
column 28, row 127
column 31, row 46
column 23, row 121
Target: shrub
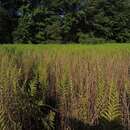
column 90, row 39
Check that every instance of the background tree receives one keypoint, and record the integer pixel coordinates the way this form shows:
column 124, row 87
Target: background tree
column 107, row 19
column 44, row 21
column 5, row 27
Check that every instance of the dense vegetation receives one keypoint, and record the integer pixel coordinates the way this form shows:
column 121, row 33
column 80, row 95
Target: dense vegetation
column 64, row 21
column 68, row 87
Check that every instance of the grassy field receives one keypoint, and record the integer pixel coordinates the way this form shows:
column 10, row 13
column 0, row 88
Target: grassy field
column 65, row 87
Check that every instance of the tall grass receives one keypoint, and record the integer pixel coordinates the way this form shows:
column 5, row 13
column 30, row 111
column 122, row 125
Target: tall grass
column 73, row 87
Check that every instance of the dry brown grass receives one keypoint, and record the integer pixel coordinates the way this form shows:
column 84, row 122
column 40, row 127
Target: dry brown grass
column 88, row 87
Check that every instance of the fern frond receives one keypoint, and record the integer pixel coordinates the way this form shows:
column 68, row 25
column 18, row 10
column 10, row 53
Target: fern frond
column 48, row 122
column 4, row 122
column 112, row 111
column 101, row 96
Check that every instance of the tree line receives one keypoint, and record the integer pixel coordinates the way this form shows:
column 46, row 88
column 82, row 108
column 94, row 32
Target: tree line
column 64, row 21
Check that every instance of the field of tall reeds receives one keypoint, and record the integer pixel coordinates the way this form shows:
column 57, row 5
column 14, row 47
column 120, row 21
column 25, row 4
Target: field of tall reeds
column 65, row 87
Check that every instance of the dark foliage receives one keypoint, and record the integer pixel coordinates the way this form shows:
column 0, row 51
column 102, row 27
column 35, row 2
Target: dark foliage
column 5, row 26
column 47, row 21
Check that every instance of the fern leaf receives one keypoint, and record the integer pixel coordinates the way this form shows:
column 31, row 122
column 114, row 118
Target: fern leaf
column 112, row 111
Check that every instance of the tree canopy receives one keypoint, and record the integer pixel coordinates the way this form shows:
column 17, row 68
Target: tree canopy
column 64, row 21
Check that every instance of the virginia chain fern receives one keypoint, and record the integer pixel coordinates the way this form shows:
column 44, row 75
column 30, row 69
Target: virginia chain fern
column 4, row 120
column 112, row 111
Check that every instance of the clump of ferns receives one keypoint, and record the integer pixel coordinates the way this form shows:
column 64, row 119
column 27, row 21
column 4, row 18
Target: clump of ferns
column 28, row 109
column 41, row 114
column 126, row 104
column 110, row 117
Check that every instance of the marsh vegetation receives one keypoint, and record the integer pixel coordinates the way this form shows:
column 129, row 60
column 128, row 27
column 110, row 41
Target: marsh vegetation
column 73, row 87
